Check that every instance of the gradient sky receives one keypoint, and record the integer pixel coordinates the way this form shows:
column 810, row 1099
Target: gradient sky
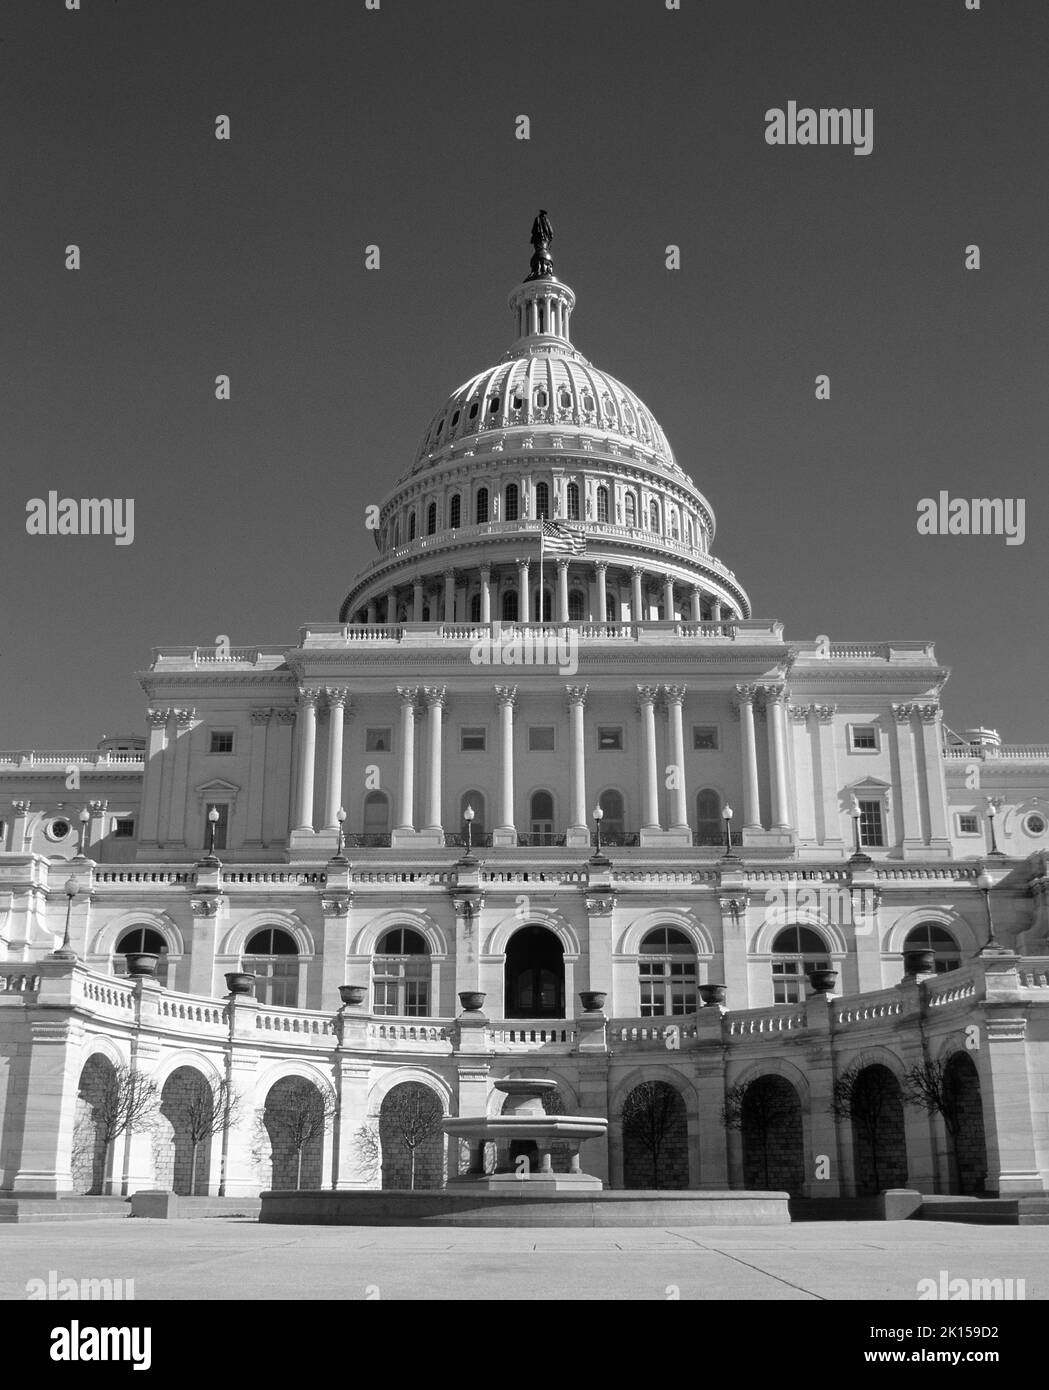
column 396, row 127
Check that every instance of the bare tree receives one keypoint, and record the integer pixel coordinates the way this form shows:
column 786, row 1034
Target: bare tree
column 123, row 1100
column 413, row 1113
column 304, row 1114
column 203, row 1108
column 867, row 1095
column 935, row 1087
column 368, row 1151
column 650, row 1114
column 763, row 1107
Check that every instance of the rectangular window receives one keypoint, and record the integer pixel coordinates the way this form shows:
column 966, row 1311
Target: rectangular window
column 221, row 825
column 377, row 740
column 872, row 832
column 221, row 741
column 471, row 740
column 541, row 739
column 704, row 737
column 610, row 739
column 864, row 738
column 123, row 827
column 968, row 825
column 668, row 988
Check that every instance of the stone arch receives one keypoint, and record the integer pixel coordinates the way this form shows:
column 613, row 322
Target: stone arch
column 501, row 932
column 235, row 940
column 182, row 1135
column 90, row 1156
column 291, row 1133
column 879, row 1140
column 369, row 935
column 107, row 936
column 945, row 917
column 804, row 917
column 968, row 1146
column 418, row 1165
column 772, row 1132
column 633, row 935
column 653, row 1124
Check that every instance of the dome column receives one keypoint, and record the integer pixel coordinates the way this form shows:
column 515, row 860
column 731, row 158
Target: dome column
column 417, row 600
column 697, row 605
column 406, row 803
column 600, row 571
column 715, row 611
column 505, row 833
column 370, row 612
column 449, row 596
column 562, row 591
column 578, row 831
column 391, row 606
column 668, row 600
column 486, row 594
column 635, row 593
column 522, row 592
column 646, row 695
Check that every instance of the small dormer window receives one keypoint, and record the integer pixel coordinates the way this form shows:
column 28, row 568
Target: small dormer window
column 473, row 411
column 440, row 427
column 588, row 401
column 455, row 419
column 518, row 401
column 564, row 400
column 493, row 404
column 541, row 399
column 609, row 408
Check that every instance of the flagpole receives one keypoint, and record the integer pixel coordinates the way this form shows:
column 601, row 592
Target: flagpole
column 542, row 534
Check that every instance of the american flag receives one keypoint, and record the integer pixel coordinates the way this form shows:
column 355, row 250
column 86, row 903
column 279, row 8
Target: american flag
column 562, row 540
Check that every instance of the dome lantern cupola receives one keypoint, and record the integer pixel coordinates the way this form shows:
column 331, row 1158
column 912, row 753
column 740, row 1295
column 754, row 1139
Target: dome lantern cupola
column 542, row 306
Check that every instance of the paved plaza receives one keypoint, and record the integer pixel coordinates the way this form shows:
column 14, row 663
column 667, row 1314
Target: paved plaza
column 237, row 1258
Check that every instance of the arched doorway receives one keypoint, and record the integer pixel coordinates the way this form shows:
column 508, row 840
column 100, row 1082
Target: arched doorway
column 411, row 1137
column 98, row 1081
column 773, row 1146
column 295, row 1119
column 964, row 1122
column 655, row 1137
column 182, row 1137
column 534, row 981
column 879, row 1144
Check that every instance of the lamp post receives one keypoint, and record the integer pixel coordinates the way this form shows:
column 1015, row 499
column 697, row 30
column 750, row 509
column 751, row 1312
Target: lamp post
column 65, row 951
column 985, row 881
column 599, row 816
column 340, row 839
column 726, row 816
column 85, row 817
column 992, row 812
column 468, row 817
column 858, row 856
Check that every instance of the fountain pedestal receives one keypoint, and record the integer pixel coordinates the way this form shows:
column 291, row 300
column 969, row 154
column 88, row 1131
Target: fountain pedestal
column 524, row 1120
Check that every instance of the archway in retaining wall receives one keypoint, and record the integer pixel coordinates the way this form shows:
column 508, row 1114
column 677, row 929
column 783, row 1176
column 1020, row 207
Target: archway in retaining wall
column 773, row 1140
column 89, row 1145
column 294, row 1121
column 183, row 1133
column 879, row 1144
column 962, row 1092
column 655, row 1137
column 411, row 1137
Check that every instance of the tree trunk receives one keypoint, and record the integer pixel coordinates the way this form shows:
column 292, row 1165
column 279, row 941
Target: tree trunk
column 193, row 1169
column 411, row 1169
column 298, row 1169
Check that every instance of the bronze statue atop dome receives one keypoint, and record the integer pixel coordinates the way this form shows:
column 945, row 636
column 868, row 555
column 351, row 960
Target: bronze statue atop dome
column 542, row 263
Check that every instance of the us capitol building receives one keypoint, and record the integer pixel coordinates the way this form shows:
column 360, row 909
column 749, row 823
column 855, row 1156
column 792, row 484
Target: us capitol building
column 587, row 818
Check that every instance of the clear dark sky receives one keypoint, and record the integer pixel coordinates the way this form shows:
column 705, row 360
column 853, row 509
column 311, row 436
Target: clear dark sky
column 396, row 127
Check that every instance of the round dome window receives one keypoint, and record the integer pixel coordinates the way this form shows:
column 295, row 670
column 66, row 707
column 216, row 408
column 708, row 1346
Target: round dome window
column 1035, row 823
column 57, row 829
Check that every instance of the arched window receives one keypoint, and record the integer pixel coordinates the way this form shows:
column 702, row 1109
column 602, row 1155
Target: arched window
column 541, row 818
column 145, row 939
column 510, row 606
column 795, row 952
column 572, row 502
column 540, row 399
column 602, row 504
column 674, row 533
column 709, row 830
column 691, row 532
column 564, row 398
column 411, row 526
column 475, row 608
column 547, row 607
column 455, row 512
column 401, row 974
column 431, row 518
column 542, row 500
column 273, row 958
column 630, row 509
column 534, row 975
column 376, row 818
column 588, row 403
column 668, row 971
column 396, row 534
column 493, row 405
column 643, row 421
column 476, row 800
column 512, row 502
column 612, row 824
column 930, row 936
column 576, row 606
column 653, row 515
column 482, row 506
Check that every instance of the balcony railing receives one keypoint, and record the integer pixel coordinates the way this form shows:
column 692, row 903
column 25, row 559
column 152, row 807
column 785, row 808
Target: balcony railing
column 81, row 757
column 538, row 839
column 1019, row 752
column 369, row 841
column 701, row 839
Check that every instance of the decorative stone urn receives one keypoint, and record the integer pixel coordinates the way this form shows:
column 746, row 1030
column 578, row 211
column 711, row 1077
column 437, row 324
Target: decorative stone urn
column 823, row 981
column 141, row 964
column 712, row 994
column 472, row 1000
column 593, row 1000
column 352, row 994
column 919, row 962
column 239, row 982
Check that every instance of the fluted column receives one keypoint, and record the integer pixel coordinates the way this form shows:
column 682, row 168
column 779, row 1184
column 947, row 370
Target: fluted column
column 504, row 832
column 751, row 791
column 562, row 591
column 369, row 615
column 434, row 697
column 715, row 611
column 600, row 570
column 646, row 695
column 635, row 594
column 675, row 698
column 307, row 730
column 449, row 596
column 578, row 831
column 417, row 600
column 406, row 808
column 522, row 592
column 391, row 606
column 697, row 606
column 486, row 594
column 336, row 718
column 668, row 600
column 775, row 702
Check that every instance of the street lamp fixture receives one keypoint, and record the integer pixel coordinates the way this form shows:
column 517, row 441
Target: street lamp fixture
column 65, row 951
column 857, row 856
column 85, row 817
column 468, row 817
column 599, row 816
column 985, row 881
column 992, row 812
column 210, row 860
column 340, row 839
column 726, row 816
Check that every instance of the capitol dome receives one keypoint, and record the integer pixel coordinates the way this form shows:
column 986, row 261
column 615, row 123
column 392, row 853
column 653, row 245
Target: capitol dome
column 544, row 437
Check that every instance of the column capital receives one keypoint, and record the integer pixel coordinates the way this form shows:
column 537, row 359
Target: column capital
column 522, row 564
column 638, row 570
column 824, row 713
column 600, row 565
column 309, row 696
column 285, row 715
column 506, row 694
column 485, row 572
column 746, row 694
column 562, row 562
column 336, row 696
column 448, row 573
column 261, row 716
column 902, row 713
column 157, row 717
column 408, row 693
column 576, row 694
column 434, row 695
column 647, row 694
column 674, row 694
column 775, row 694
column 799, row 713
column 928, row 713
column 184, row 717
column 21, row 808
